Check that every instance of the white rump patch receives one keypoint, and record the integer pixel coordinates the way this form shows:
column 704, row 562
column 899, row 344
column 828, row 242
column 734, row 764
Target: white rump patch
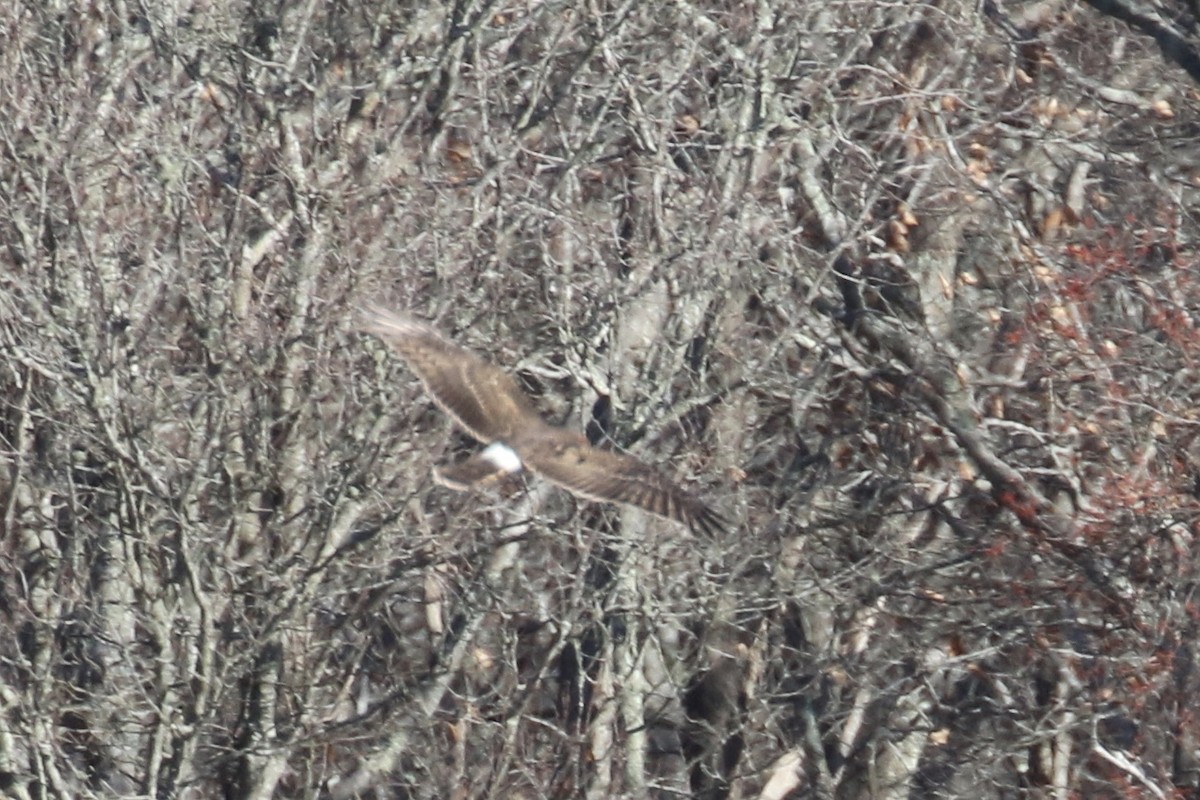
column 503, row 456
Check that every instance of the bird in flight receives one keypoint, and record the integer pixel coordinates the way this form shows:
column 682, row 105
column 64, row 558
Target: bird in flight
column 488, row 403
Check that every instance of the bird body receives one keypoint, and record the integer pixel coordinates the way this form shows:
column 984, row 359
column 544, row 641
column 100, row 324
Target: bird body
column 485, row 468
column 488, row 403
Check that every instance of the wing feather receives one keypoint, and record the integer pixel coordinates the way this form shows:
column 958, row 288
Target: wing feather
column 482, row 398
column 567, row 459
column 489, row 404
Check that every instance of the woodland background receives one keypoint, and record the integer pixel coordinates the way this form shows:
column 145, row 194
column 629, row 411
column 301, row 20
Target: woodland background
column 909, row 291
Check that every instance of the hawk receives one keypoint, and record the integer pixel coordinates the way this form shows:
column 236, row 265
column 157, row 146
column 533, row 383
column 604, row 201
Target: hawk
column 488, row 403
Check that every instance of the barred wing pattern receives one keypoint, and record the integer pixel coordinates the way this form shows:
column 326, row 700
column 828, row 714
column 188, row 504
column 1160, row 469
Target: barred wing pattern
column 483, row 399
column 566, row 459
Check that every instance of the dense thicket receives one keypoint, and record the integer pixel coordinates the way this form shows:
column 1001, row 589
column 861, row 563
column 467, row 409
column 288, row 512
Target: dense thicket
column 907, row 290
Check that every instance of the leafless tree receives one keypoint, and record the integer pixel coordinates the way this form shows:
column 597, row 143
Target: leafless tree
column 907, row 290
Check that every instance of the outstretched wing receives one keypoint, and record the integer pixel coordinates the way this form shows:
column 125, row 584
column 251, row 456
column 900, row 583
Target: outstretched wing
column 482, row 398
column 568, row 460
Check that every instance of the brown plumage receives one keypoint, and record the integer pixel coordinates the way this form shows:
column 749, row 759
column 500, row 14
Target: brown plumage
column 489, row 404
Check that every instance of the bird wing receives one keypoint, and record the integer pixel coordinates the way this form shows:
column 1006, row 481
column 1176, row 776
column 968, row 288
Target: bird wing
column 567, row 459
column 483, row 398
